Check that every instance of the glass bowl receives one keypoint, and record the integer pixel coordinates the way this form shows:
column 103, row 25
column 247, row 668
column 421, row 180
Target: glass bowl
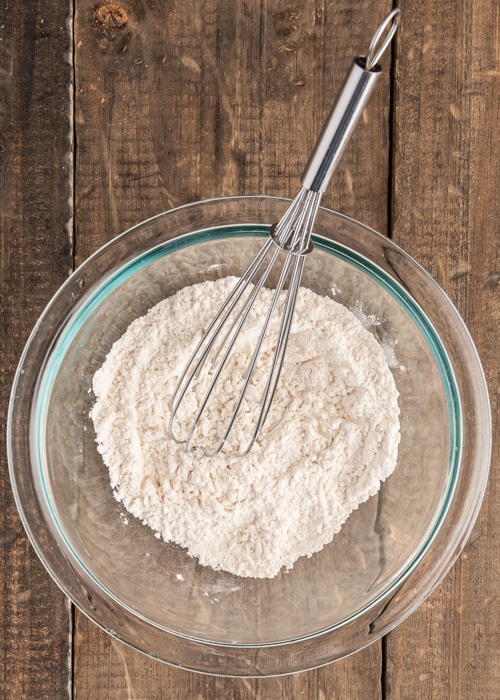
column 391, row 552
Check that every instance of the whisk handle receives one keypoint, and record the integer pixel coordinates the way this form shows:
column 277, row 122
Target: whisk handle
column 345, row 113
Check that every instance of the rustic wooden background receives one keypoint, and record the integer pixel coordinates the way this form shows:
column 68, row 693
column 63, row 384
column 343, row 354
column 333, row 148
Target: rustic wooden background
column 112, row 112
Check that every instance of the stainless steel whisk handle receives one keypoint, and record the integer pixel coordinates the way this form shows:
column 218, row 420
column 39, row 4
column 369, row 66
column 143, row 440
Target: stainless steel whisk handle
column 346, row 111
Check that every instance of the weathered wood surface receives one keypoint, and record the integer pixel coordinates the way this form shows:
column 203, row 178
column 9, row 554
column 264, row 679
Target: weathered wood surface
column 446, row 213
column 179, row 101
column 35, row 257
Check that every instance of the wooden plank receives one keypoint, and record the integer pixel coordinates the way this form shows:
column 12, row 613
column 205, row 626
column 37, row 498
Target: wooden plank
column 446, row 213
column 36, row 255
column 107, row 669
column 182, row 101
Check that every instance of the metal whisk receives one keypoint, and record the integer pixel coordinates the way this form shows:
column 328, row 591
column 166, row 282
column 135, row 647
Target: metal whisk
column 290, row 240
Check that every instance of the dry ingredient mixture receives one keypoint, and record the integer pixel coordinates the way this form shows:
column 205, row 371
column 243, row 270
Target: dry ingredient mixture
column 330, row 439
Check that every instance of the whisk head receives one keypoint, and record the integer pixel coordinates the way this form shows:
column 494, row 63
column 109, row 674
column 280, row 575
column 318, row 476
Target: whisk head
column 224, row 394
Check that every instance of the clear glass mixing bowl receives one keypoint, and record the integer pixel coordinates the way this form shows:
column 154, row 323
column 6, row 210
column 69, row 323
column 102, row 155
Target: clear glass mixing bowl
column 391, row 552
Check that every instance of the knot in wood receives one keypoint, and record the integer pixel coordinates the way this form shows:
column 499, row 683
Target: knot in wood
column 111, row 14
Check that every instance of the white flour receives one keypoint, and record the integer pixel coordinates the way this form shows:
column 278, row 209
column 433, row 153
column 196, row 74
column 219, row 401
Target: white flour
column 331, row 437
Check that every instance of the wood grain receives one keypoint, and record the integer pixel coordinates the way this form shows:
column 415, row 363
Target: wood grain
column 446, row 213
column 35, row 257
column 107, row 669
column 182, row 101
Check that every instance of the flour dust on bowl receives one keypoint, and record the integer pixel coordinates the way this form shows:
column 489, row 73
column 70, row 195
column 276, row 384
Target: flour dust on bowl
column 388, row 556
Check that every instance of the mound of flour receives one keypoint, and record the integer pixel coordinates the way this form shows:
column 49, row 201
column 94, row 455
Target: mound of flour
column 331, row 437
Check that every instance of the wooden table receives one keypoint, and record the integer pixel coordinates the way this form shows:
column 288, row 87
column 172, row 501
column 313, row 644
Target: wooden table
column 110, row 113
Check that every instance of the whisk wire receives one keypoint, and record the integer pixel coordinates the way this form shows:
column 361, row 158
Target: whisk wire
column 281, row 345
column 231, row 341
column 300, row 232
column 248, row 304
column 210, row 336
column 251, row 365
column 293, row 235
column 286, row 322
